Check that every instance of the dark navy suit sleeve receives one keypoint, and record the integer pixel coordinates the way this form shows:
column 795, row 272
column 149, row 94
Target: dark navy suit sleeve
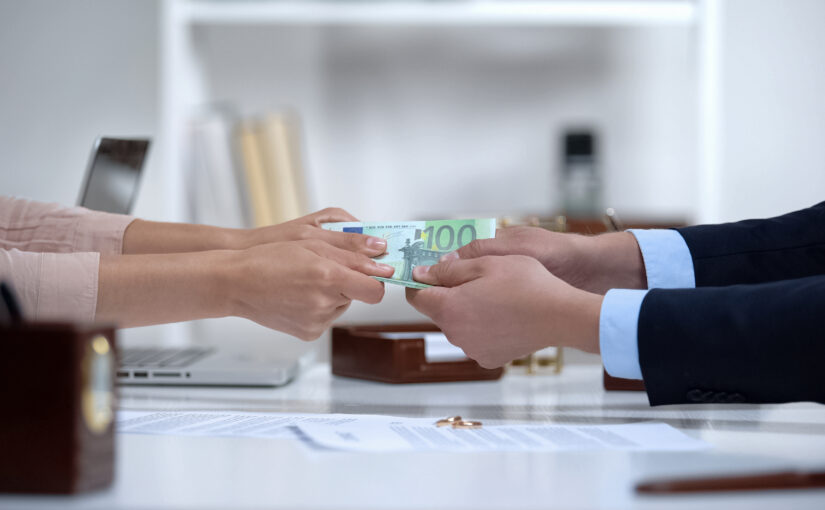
column 757, row 251
column 743, row 343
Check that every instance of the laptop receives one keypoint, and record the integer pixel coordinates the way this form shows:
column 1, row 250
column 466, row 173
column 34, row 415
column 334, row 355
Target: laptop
column 113, row 174
column 111, row 185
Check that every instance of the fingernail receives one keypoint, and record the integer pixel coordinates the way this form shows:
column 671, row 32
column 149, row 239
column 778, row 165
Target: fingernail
column 376, row 243
column 385, row 267
column 420, row 271
column 453, row 255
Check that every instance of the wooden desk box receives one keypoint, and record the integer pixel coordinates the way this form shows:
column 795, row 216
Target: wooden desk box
column 56, row 393
column 361, row 352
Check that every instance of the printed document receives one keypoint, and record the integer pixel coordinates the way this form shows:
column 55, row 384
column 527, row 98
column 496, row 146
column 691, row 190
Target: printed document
column 373, row 433
column 422, row 435
column 222, row 423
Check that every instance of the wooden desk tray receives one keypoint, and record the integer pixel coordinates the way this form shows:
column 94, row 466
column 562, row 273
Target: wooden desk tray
column 359, row 351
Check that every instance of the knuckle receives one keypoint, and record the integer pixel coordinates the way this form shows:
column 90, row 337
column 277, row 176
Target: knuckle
column 472, row 249
column 324, row 273
column 442, row 268
column 486, row 264
column 335, row 212
column 520, row 232
column 524, row 260
column 321, row 303
column 316, row 245
column 305, row 232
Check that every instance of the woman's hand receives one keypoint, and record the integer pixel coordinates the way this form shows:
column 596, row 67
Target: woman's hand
column 300, row 287
column 145, row 237
column 498, row 309
column 592, row 263
column 309, row 227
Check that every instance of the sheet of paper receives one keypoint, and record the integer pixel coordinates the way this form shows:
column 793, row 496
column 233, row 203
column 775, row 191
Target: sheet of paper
column 436, row 346
column 373, row 433
column 422, row 435
column 220, row 423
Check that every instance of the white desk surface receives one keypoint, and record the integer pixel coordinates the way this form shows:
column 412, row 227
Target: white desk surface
column 208, row 472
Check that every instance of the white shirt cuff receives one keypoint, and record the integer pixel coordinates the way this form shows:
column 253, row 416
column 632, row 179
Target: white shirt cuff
column 618, row 332
column 667, row 259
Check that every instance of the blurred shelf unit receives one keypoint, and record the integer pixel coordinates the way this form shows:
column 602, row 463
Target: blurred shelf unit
column 536, row 13
column 182, row 79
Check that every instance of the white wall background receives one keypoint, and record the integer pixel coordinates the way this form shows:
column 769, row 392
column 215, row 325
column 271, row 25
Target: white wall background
column 774, row 158
column 405, row 123
column 69, row 72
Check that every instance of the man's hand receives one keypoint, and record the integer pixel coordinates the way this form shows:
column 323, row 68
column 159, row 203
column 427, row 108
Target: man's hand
column 300, row 287
column 501, row 308
column 593, row 263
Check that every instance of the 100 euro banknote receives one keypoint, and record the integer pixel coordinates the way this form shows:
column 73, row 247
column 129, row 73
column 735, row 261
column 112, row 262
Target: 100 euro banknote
column 418, row 243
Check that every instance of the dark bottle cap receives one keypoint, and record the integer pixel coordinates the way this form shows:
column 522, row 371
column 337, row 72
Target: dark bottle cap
column 579, row 143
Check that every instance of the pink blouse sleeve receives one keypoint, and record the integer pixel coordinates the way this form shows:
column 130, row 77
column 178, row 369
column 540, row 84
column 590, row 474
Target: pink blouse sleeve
column 40, row 227
column 53, row 286
column 51, row 254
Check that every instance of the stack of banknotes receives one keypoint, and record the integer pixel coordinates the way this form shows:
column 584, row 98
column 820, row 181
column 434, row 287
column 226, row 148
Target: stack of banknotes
column 418, row 243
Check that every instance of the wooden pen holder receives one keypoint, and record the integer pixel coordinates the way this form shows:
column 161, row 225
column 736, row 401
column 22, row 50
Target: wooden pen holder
column 57, row 396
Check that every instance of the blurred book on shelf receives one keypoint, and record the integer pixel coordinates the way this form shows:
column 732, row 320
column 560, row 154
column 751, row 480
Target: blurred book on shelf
column 217, row 192
column 256, row 179
column 246, row 172
column 277, row 137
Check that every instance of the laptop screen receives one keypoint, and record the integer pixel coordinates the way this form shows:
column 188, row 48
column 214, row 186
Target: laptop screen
column 113, row 174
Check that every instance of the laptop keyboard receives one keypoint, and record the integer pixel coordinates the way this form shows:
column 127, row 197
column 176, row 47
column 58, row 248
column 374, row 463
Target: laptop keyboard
column 166, row 358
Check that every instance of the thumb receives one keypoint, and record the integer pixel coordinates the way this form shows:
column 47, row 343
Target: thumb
column 429, row 301
column 450, row 273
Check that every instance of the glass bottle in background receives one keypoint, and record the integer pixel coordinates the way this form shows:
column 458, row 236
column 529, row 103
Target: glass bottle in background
column 581, row 186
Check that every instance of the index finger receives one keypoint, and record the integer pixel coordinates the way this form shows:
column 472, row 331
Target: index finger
column 351, row 241
column 357, row 261
column 502, row 244
column 358, row 286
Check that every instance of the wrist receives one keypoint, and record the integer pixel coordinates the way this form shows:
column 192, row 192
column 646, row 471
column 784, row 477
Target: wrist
column 583, row 316
column 571, row 319
column 236, row 238
column 616, row 257
column 222, row 277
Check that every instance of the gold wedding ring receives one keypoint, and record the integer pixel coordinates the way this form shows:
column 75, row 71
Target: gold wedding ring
column 446, row 422
column 466, row 424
